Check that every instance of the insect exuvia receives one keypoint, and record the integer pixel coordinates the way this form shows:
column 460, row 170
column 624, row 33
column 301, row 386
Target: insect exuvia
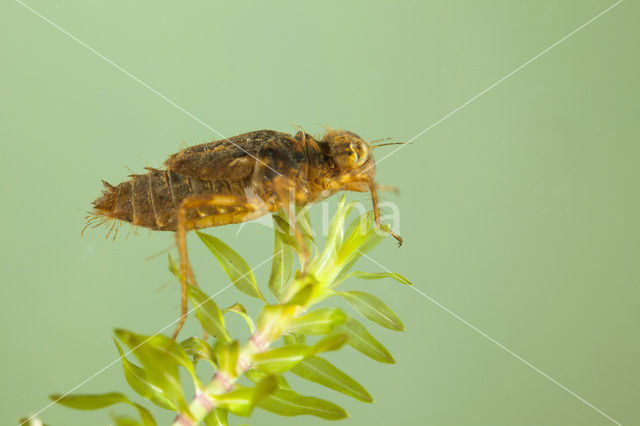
column 238, row 179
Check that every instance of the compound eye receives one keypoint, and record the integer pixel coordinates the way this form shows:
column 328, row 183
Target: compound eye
column 358, row 154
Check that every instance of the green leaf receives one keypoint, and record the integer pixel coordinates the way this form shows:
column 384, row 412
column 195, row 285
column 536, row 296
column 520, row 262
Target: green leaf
column 283, row 231
column 240, row 310
column 90, row 401
column 319, row 321
column 234, row 265
column 373, row 308
column 198, row 349
column 217, row 417
column 280, row 359
column 289, row 403
column 329, row 343
column 173, row 268
column 145, row 415
column 361, row 340
column 319, row 370
column 301, row 297
column 208, row 314
column 139, row 381
column 161, row 357
column 304, row 222
column 363, row 237
column 97, row 401
column 281, row 265
column 336, row 226
column 284, row 358
column 371, row 276
column 334, row 238
column 241, row 400
column 125, row 421
column 255, row 376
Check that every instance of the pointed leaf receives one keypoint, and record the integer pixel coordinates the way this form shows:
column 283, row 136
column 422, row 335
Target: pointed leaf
column 301, row 297
column 159, row 345
column 363, row 237
column 234, row 265
column 283, row 230
column 361, row 340
column 90, row 401
column 289, row 403
column 139, row 381
column 255, row 376
column 240, row 310
column 145, row 415
column 330, row 343
column 97, row 401
column 125, row 421
column 371, row 276
column 198, row 349
column 373, row 308
column 334, row 238
column 217, row 417
column 281, row 266
column 303, row 221
column 280, row 359
column 173, row 267
column 161, row 356
column 284, row 358
column 319, row 321
column 319, row 370
column 241, row 400
column 208, row 314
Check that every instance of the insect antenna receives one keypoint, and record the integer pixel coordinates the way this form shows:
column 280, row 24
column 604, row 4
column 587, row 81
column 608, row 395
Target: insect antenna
column 389, row 143
column 379, row 140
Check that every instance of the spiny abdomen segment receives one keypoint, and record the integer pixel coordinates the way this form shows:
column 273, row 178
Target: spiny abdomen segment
column 151, row 200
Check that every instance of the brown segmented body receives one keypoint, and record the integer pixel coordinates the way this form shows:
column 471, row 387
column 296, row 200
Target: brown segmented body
column 151, row 200
column 239, row 179
column 244, row 167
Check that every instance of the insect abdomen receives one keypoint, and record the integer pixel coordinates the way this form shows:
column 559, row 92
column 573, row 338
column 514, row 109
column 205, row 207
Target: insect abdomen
column 151, row 200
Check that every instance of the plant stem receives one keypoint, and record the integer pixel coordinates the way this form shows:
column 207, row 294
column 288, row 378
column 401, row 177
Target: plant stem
column 204, row 401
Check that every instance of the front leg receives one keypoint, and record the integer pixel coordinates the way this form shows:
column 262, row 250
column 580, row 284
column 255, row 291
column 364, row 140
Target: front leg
column 353, row 178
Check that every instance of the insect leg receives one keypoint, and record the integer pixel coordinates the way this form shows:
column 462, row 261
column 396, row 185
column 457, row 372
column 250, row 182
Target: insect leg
column 184, row 226
column 346, row 179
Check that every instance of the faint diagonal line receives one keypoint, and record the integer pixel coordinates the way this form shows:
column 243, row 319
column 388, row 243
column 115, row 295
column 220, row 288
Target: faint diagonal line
column 496, row 83
column 101, row 56
column 500, row 345
column 103, row 369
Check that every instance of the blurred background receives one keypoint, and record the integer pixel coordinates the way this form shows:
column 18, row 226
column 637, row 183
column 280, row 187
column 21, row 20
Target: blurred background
column 519, row 212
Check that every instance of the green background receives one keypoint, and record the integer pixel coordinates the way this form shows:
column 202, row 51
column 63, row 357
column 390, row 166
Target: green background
column 520, row 211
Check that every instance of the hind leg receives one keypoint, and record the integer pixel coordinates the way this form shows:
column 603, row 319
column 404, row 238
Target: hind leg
column 239, row 204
